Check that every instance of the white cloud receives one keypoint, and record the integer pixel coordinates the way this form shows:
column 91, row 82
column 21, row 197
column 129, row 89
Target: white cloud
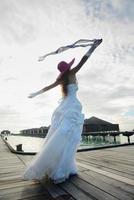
column 32, row 28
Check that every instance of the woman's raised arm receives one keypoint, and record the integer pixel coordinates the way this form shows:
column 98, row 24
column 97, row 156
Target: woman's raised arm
column 86, row 56
column 44, row 89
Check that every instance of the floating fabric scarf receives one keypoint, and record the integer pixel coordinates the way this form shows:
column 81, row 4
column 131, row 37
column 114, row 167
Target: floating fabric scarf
column 79, row 43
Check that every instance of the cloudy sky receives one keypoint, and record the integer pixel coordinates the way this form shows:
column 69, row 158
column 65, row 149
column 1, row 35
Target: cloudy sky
column 31, row 28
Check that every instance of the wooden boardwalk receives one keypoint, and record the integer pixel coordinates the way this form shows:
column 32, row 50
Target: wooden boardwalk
column 106, row 174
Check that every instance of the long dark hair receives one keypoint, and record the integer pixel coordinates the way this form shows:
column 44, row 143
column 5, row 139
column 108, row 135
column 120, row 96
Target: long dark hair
column 64, row 81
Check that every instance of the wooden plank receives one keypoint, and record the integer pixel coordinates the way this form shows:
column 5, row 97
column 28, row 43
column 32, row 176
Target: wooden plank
column 115, row 168
column 109, row 156
column 33, row 190
column 124, row 151
column 109, row 181
column 108, row 159
column 11, row 169
column 114, row 188
column 111, row 175
column 25, row 189
column 17, row 184
column 81, row 190
column 10, row 179
column 12, row 166
column 9, row 174
column 40, row 197
column 112, row 165
column 13, row 187
column 75, row 191
column 11, row 161
column 26, row 159
column 53, row 189
column 114, row 171
column 101, row 176
column 26, row 194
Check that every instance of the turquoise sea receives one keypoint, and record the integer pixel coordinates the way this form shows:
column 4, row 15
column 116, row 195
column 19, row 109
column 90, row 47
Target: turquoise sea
column 34, row 144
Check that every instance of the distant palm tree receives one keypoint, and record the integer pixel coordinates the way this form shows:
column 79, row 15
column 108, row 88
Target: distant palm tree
column 5, row 132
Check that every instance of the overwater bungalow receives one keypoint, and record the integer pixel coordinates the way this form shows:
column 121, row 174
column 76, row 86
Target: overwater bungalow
column 36, row 132
column 95, row 124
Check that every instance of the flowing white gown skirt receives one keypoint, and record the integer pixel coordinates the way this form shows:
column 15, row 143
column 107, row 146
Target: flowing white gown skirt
column 56, row 158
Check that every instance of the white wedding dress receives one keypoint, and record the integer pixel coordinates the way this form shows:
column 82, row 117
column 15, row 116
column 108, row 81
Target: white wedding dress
column 56, row 158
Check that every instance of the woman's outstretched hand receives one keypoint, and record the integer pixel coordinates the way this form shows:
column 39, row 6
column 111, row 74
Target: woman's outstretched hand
column 97, row 42
column 32, row 95
column 36, row 93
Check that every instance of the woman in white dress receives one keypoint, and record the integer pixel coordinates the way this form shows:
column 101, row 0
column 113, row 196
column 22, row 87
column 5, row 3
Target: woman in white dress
column 56, row 159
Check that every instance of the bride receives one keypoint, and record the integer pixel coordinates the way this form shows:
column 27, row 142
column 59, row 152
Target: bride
column 56, row 159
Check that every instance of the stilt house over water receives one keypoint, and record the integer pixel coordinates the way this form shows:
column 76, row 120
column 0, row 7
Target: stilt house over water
column 95, row 124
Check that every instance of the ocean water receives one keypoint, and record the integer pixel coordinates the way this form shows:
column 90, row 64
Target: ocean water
column 34, row 144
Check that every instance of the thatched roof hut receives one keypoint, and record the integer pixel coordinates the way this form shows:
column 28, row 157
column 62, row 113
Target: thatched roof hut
column 95, row 124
